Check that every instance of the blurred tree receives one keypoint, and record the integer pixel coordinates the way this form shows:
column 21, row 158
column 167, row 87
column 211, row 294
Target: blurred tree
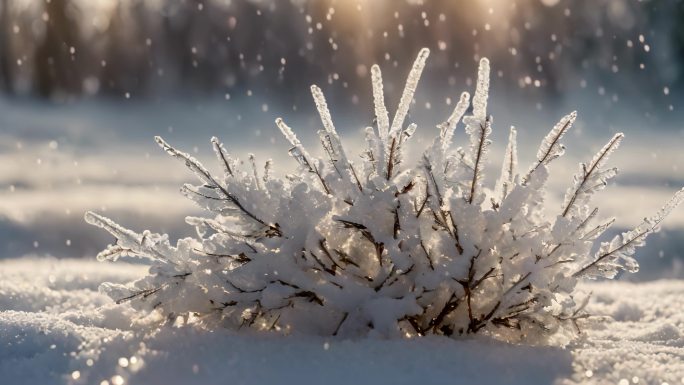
column 182, row 47
column 678, row 42
column 127, row 56
column 6, row 79
column 55, row 70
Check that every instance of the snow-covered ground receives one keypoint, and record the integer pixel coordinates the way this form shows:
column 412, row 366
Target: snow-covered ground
column 55, row 328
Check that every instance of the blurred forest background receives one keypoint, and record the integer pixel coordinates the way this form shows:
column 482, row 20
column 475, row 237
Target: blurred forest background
column 86, row 84
column 64, row 49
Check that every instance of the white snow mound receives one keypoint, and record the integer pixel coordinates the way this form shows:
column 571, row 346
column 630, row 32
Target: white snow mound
column 55, row 328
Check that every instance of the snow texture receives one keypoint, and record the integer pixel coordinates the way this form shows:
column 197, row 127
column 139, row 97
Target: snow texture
column 55, row 328
column 386, row 249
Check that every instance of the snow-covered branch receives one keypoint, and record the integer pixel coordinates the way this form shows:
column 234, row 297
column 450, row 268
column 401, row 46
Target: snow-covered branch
column 387, row 247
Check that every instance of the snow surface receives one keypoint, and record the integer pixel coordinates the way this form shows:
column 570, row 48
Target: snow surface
column 55, row 328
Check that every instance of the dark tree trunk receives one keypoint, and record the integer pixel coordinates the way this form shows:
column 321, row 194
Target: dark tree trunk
column 55, row 67
column 6, row 80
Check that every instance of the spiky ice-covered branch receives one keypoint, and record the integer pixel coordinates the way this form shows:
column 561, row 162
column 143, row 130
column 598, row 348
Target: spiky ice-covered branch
column 395, row 134
column 509, row 167
column 299, row 153
column 591, row 178
column 203, row 174
column 551, row 147
column 409, row 91
column 478, row 128
column 623, row 246
column 381, row 114
column 447, row 128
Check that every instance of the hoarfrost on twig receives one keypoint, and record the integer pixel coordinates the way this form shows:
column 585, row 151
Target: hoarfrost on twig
column 392, row 247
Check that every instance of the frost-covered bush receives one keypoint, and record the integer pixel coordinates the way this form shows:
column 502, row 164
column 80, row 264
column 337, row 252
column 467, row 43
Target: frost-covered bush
column 378, row 247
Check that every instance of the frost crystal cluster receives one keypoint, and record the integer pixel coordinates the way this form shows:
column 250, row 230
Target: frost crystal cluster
column 374, row 246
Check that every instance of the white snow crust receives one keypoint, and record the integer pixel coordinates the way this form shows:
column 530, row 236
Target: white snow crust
column 56, row 328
